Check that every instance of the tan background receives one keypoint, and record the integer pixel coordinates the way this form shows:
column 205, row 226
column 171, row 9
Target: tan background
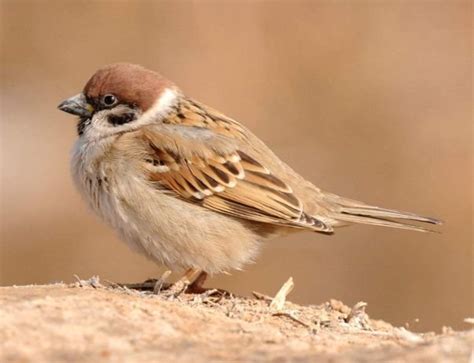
column 371, row 100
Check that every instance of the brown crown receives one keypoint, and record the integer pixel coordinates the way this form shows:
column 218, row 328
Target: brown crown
column 130, row 83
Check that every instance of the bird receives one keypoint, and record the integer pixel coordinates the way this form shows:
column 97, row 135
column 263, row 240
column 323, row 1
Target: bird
column 189, row 187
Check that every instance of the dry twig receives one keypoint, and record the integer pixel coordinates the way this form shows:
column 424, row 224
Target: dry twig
column 279, row 300
column 292, row 317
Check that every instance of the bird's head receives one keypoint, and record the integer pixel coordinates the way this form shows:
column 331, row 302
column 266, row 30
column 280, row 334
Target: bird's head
column 120, row 97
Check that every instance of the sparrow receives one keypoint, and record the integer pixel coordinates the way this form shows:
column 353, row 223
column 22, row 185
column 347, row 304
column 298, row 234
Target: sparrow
column 188, row 186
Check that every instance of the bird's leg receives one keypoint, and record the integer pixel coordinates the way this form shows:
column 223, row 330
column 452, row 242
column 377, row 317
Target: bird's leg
column 191, row 283
column 196, row 286
column 192, row 278
column 186, row 281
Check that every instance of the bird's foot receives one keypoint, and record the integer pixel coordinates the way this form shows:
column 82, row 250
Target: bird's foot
column 190, row 283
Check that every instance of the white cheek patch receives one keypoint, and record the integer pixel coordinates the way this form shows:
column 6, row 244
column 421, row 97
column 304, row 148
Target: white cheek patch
column 100, row 127
column 160, row 108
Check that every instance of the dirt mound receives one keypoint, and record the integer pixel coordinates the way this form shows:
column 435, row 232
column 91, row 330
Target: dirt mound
column 88, row 322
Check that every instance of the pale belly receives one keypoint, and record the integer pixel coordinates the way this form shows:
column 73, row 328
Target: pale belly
column 166, row 229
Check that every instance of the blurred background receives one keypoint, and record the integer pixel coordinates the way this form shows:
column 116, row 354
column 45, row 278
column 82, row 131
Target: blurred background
column 368, row 99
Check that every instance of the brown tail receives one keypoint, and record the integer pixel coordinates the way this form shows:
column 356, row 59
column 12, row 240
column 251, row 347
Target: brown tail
column 351, row 211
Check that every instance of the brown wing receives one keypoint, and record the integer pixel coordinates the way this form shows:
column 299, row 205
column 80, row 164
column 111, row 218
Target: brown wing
column 204, row 167
column 189, row 112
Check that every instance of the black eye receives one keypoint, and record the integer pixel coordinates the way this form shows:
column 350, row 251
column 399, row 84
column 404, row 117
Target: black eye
column 109, row 100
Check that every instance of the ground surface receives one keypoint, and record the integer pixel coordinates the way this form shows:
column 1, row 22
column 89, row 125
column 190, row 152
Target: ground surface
column 87, row 322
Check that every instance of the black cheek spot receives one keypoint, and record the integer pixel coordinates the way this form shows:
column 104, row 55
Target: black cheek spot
column 121, row 119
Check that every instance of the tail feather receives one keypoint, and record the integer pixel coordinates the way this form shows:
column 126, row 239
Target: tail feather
column 377, row 221
column 352, row 211
column 389, row 213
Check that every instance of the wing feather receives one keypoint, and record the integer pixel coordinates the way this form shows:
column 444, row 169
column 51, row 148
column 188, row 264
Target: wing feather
column 209, row 168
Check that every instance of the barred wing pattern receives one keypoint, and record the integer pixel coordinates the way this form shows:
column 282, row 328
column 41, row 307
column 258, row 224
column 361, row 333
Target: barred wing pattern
column 206, row 167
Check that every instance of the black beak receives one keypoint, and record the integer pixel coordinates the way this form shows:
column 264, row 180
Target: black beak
column 77, row 105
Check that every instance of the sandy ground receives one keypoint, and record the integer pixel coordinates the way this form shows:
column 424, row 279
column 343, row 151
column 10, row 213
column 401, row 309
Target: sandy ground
column 89, row 322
